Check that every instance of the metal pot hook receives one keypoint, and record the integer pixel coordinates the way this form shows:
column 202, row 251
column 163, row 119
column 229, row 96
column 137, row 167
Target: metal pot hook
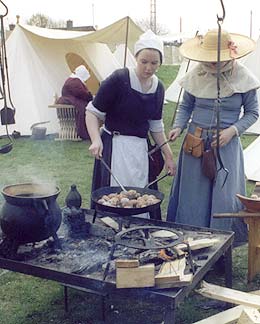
column 6, row 12
column 220, row 20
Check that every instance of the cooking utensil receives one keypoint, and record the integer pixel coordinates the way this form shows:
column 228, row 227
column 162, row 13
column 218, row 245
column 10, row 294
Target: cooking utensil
column 157, row 148
column 110, row 171
column 156, row 180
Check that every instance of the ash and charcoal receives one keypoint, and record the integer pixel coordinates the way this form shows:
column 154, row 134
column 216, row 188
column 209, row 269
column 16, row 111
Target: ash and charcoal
column 85, row 247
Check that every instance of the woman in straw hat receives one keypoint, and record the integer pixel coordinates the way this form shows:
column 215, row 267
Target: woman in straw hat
column 198, row 190
column 130, row 103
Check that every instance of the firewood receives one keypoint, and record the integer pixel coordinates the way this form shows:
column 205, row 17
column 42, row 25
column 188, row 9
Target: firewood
column 229, row 316
column 229, row 295
column 171, row 274
column 127, row 263
column 249, row 316
column 198, row 244
column 164, row 233
column 142, row 276
column 110, row 222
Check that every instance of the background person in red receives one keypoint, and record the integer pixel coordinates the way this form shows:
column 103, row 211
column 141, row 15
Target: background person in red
column 74, row 92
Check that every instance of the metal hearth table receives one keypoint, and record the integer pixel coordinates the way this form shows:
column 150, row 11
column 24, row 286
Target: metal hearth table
column 170, row 298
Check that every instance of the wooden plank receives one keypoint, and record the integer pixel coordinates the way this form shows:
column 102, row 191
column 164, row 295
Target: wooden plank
column 253, row 243
column 240, row 214
column 249, row 316
column 229, row 295
column 171, row 274
column 229, row 316
column 164, row 233
column 199, row 244
column 110, row 222
column 127, row 263
column 62, row 106
column 142, row 276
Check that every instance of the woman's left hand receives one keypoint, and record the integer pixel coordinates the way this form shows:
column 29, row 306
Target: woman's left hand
column 225, row 136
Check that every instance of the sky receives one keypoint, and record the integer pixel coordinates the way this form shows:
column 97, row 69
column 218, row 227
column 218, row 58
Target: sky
column 194, row 15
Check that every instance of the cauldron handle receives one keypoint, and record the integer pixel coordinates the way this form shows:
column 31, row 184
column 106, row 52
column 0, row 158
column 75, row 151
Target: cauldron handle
column 47, row 215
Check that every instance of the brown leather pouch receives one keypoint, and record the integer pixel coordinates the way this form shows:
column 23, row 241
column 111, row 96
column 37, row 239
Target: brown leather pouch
column 209, row 165
column 194, row 144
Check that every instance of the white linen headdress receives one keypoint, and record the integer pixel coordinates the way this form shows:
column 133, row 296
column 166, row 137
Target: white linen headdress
column 81, row 73
column 149, row 40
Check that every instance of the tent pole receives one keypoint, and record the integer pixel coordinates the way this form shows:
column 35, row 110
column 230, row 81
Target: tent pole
column 126, row 39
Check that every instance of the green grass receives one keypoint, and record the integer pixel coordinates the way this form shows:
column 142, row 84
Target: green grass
column 28, row 300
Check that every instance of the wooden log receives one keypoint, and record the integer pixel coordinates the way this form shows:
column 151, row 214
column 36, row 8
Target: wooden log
column 127, row 263
column 229, row 295
column 142, row 276
column 249, row 316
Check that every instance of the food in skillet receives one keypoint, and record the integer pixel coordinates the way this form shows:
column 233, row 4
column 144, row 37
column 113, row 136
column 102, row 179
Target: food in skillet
column 128, row 199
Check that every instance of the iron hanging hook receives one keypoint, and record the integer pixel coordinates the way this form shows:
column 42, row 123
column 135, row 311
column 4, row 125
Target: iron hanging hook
column 218, row 100
column 5, row 9
column 221, row 19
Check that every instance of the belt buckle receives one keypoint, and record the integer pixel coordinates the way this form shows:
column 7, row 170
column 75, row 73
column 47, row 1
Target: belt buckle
column 116, row 133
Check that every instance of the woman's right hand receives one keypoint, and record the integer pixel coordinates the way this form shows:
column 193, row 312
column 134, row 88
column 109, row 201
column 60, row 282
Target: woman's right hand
column 96, row 148
column 174, row 133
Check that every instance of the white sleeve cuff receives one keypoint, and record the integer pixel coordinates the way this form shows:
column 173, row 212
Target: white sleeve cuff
column 156, row 126
column 100, row 115
column 236, row 130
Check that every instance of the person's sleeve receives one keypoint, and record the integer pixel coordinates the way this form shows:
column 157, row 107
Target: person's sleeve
column 184, row 111
column 156, row 126
column 100, row 115
column 251, row 112
column 107, row 94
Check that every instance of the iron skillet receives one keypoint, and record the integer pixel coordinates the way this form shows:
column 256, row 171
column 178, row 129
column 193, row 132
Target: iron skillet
column 97, row 194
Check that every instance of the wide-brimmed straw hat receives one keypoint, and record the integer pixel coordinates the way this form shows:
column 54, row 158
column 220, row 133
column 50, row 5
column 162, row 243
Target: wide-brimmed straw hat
column 204, row 49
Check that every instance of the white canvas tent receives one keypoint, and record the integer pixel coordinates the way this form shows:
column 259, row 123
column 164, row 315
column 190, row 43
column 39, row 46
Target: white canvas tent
column 252, row 61
column 252, row 160
column 173, row 92
column 119, row 55
column 38, row 68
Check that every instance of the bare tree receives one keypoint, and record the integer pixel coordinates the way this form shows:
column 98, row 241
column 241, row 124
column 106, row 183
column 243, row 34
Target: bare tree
column 41, row 20
column 144, row 24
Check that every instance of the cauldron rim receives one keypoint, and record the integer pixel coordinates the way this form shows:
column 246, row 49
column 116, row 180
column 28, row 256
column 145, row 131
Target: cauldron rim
column 22, row 195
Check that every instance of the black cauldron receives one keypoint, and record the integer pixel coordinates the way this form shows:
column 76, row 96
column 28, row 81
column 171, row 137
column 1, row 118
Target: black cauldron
column 30, row 212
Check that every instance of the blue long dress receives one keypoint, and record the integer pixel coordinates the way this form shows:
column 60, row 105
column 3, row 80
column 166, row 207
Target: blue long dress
column 194, row 198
